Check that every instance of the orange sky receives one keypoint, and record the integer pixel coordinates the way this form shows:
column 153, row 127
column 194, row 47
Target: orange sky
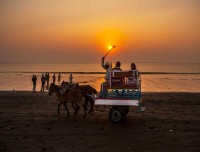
column 79, row 31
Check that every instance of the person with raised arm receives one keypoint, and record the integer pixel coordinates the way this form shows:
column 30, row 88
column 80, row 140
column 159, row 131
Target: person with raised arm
column 107, row 67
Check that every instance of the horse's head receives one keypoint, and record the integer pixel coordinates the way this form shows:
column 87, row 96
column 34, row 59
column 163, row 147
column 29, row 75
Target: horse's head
column 74, row 85
column 65, row 83
column 52, row 89
column 91, row 90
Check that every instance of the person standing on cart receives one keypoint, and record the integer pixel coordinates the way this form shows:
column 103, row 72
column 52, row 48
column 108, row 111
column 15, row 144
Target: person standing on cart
column 107, row 67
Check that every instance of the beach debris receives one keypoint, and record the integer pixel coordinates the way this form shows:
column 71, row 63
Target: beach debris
column 25, row 137
column 44, row 149
column 49, row 128
column 3, row 148
column 2, row 126
column 10, row 128
column 152, row 127
column 7, row 121
column 101, row 128
column 52, row 121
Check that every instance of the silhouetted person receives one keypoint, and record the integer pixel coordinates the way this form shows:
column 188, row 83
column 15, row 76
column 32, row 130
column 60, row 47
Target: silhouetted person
column 107, row 67
column 133, row 66
column 47, row 80
column 54, row 78
column 46, row 75
column 70, row 79
column 135, row 73
column 34, row 80
column 59, row 78
column 117, row 67
column 43, row 80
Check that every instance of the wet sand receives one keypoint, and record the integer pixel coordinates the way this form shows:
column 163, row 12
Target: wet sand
column 29, row 123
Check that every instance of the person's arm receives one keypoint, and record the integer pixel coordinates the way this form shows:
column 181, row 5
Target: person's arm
column 102, row 62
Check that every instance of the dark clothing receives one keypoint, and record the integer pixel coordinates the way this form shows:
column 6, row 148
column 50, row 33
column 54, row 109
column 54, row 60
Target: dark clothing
column 34, row 80
column 43, row 80
column 47, row 77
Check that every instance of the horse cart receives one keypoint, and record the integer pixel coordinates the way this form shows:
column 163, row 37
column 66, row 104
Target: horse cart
column 120, row 93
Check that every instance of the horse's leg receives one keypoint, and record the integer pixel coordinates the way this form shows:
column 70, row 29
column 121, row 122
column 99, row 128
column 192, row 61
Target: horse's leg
column 89, row 99
column 73, row 106
column 84, row 105
column 77, row 108
column 59, row 108
column 86, row 101
column 66, row 109
column 92, row 104
column 85, row 109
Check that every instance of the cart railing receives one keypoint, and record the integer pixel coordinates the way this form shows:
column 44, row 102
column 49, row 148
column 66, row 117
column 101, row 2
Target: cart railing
column 123, row 80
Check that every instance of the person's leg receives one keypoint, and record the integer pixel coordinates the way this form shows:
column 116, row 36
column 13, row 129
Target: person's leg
column 33, row 87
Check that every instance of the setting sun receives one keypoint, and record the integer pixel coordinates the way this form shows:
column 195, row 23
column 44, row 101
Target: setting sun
column 110, row 47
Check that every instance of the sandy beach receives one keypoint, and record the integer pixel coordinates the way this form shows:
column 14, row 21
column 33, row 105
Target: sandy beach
column 29, row 123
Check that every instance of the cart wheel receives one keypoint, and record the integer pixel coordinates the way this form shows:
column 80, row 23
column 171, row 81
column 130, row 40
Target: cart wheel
column 115, row 114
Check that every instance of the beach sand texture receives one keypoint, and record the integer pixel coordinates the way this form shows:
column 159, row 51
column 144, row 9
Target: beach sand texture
column 29, row 123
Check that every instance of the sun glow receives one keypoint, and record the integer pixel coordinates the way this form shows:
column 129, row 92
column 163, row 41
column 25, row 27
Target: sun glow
column 109, row 38
column 110, row 47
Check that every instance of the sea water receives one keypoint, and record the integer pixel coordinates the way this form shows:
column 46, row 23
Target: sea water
column 156, row 77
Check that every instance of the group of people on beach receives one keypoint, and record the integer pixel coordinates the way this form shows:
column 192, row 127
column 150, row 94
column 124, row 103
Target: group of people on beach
column 45, row 81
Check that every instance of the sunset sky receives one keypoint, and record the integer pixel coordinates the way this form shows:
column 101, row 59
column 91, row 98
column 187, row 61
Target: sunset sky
column 79, row 31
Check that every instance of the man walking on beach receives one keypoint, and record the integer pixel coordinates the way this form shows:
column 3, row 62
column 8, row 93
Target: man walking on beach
column 54, row 78
column 70, row 78
column 47, row 79
column 43, row 80
column 59, row 78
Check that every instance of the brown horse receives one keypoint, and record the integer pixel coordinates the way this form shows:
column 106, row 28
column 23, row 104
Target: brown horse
column 69, row 95
column 87, row 92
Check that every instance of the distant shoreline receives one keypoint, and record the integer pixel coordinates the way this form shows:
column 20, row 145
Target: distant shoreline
column 150, row 73
column 144, row 93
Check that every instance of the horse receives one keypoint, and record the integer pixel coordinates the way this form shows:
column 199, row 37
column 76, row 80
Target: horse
column 67, row 95
column 87, row 92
